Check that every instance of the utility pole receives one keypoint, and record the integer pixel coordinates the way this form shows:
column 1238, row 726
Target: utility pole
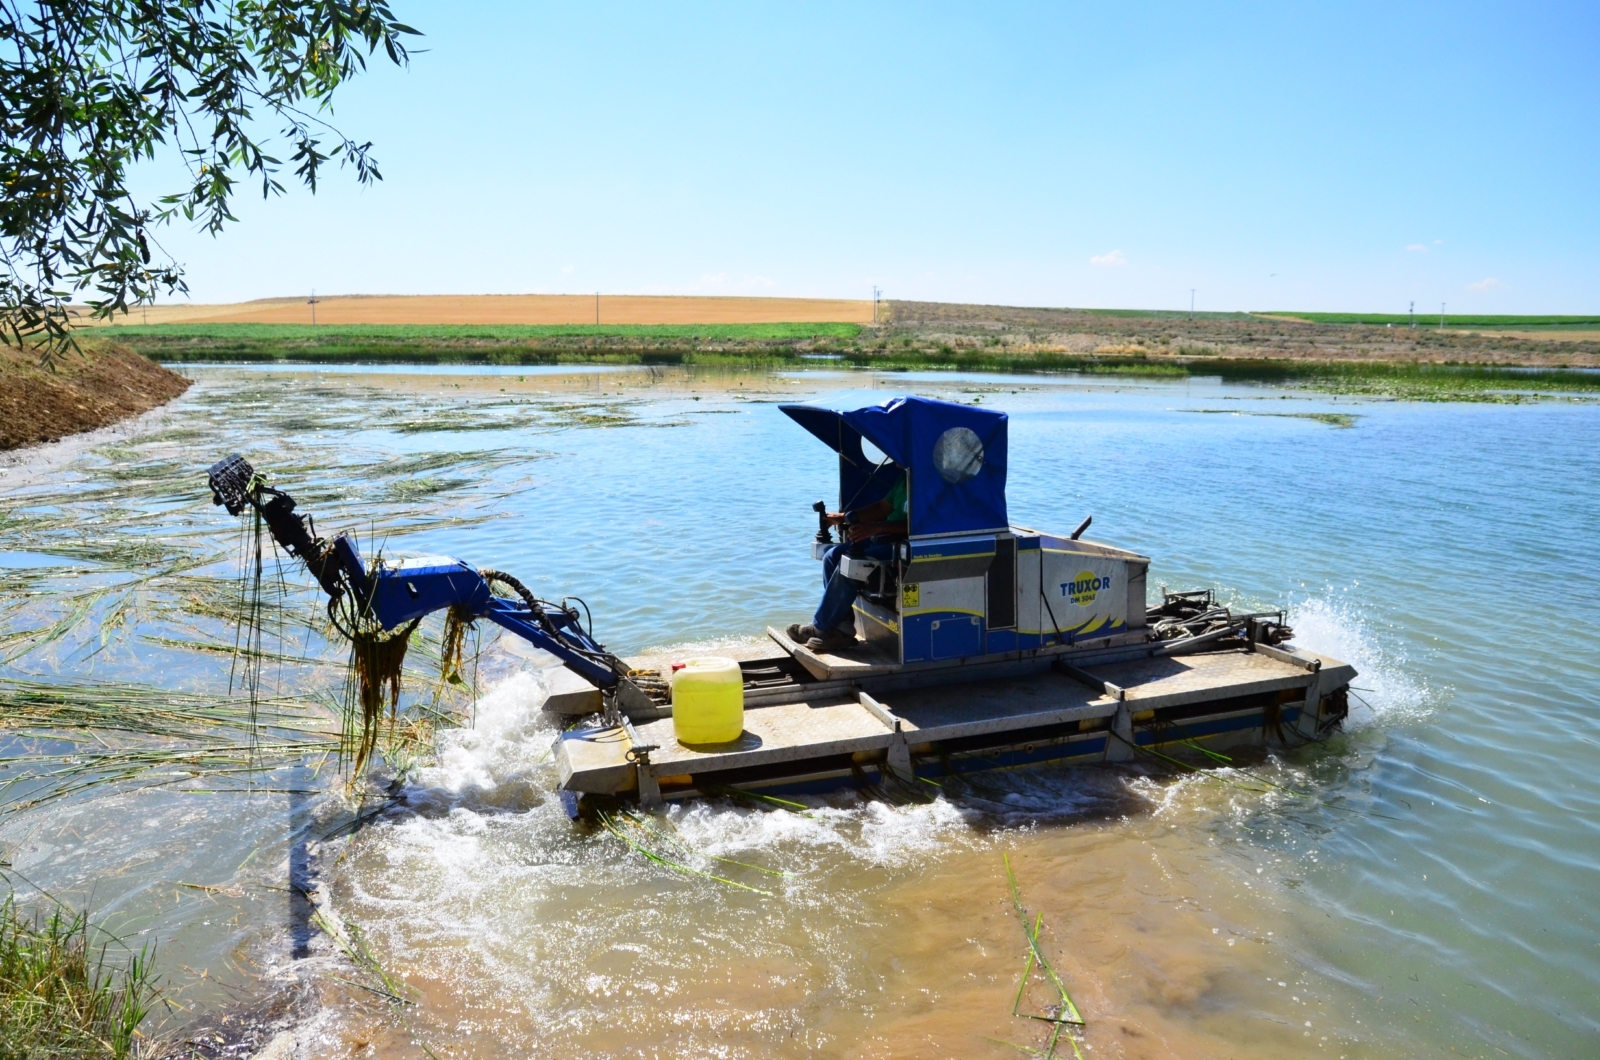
column 876, row 296
column 1413, row 314
column 312, row 302
column 1191, row 303
column 1441, row 316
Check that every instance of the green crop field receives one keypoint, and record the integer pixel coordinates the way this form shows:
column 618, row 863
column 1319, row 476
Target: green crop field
column 1425, row 319
column 469, row 332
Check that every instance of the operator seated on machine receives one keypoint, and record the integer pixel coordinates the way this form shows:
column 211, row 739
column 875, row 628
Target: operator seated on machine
column 870, row 532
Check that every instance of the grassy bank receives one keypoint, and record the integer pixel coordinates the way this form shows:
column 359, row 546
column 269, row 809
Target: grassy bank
column 1440, row 382
column 462, row 344
column 1410, row 381
column 62, row 996
column 1327, row 353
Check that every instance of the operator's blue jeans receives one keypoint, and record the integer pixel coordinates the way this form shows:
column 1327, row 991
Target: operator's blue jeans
column 839, row 592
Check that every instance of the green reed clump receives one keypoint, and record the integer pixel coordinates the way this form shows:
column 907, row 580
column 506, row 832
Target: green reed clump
column 60, row 996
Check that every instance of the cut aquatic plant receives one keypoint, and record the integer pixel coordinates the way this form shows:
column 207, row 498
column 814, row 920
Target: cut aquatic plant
column 610, row 824
column 1066, row 1012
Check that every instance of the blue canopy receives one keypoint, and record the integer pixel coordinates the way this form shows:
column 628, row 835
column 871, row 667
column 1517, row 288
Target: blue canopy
column 955, row 456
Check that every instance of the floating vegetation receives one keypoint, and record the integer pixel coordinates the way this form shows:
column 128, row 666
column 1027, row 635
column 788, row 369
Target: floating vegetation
column 82, row 709
column 353, row 941
column 411, row 489
column 740, row 795
column 1332, row 419
column 478, row 461
column 672, row 837
column 60, row 994
column 62, row 740
column 1063, row 1012
column 618, row 825
column 467, row 420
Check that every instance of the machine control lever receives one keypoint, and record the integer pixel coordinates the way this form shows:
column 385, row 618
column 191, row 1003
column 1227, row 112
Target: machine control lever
column 823, row 536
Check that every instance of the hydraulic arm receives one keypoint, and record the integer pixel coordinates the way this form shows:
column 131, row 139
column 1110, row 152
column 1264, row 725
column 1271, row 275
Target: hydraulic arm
column 392, row 593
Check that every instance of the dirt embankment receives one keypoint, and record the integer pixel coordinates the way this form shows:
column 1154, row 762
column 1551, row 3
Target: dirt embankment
column 93, row 388
column 1234, row 336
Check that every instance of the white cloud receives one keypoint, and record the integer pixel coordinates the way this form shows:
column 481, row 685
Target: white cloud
column 1416, row 248
column 1488, row 284
column 1115, row 257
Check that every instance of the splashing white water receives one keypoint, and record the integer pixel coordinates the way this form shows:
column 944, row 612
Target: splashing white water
column 1332, row 626
column 869, row 831
column 507, row 743
column 503, row 762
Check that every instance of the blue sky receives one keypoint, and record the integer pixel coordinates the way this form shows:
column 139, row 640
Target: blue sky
column 1273, row 156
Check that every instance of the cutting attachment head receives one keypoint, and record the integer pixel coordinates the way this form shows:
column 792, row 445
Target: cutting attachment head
column 229, row 479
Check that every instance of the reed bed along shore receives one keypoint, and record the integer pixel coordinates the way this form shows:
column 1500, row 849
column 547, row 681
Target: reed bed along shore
column 69, row 990
column 1335, row 355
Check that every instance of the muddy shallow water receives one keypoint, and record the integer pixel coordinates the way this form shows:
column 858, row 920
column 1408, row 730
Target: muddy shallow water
column 1420, row 884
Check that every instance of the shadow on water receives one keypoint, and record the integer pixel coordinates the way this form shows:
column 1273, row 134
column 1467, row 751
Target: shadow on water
column 301, row 908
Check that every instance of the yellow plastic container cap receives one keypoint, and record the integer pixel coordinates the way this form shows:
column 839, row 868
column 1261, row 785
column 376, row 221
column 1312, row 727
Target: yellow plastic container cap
column 708, row 701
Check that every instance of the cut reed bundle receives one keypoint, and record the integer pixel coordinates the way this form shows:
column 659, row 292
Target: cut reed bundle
column 63, row 739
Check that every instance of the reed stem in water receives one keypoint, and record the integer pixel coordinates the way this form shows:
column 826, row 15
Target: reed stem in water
column 60, row 996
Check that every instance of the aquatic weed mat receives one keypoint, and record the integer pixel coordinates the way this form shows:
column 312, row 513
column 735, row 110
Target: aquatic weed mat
column 121, row 658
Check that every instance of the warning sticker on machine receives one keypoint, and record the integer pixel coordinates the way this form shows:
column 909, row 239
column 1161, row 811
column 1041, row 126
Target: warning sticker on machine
column 910, row 595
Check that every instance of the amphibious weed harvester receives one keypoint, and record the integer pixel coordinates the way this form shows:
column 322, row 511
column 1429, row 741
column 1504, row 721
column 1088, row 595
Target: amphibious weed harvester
column 981, row 644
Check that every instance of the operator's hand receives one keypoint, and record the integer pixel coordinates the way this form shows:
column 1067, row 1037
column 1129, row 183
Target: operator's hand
column 834, row 518
column 861, row 531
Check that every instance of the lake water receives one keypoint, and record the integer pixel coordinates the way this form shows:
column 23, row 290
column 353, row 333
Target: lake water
column 1427, row 883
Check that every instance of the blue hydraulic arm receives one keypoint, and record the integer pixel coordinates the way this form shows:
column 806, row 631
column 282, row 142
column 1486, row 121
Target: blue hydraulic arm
column 393, row 594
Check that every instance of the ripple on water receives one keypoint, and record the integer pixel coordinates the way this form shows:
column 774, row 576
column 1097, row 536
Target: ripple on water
column 1417, row 883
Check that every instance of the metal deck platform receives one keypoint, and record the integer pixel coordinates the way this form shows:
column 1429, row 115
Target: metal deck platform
column 805, row 733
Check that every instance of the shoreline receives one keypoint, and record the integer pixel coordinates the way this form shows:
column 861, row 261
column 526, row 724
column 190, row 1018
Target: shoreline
column 1401, row 380
column 98, row 386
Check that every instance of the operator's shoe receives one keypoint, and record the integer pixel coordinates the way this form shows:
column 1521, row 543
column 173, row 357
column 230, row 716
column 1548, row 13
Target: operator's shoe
column 832, row 640
column 800, row 634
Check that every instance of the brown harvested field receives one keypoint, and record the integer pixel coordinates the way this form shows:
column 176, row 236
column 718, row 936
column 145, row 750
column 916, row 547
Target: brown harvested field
column 512, row 309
